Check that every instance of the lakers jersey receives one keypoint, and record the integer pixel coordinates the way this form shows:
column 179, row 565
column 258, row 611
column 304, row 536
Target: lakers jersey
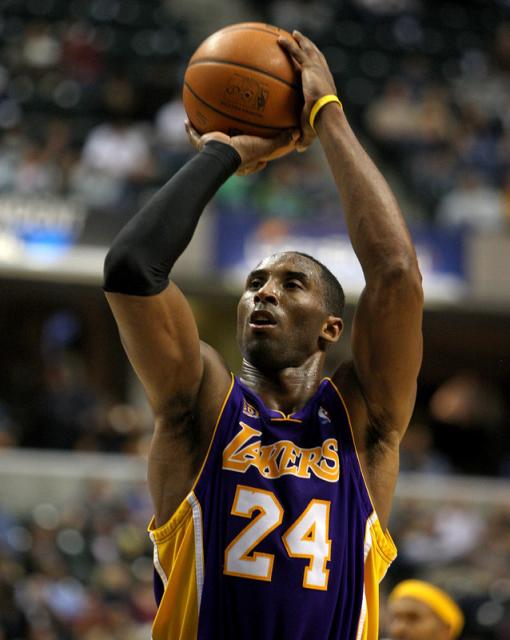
column 278, row 539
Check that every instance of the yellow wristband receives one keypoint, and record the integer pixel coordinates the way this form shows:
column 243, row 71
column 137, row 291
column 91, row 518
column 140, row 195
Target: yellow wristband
column 321, row 102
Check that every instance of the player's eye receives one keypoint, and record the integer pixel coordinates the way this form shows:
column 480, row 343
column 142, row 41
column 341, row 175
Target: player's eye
column 256, row 283
column 293, row 284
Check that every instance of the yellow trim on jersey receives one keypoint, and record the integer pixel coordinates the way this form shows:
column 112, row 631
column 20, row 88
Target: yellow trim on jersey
column 174, row 549
column 379, row 553
column 220, row 414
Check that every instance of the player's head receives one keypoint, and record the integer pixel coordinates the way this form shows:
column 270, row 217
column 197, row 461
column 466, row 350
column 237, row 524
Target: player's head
column 291, row 309
column 420, row 611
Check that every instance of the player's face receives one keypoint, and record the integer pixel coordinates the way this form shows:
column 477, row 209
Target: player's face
column 281, row 312
column 414, row 620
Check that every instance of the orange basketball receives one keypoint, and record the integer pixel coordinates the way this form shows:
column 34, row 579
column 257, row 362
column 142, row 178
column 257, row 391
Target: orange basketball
column 240, row 80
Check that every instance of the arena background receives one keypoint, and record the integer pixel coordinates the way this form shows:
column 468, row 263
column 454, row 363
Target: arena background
column 91, row 125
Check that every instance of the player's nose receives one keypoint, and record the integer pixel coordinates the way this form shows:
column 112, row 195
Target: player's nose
column 266, row 293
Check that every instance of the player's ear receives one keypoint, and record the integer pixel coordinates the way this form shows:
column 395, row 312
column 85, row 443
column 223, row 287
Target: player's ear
column 332, row 329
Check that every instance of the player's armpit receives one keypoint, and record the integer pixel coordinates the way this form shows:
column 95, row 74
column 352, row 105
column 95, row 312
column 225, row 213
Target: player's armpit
column 377, row 445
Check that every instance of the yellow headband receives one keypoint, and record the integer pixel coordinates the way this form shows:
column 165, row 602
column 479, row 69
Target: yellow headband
column 439, row 601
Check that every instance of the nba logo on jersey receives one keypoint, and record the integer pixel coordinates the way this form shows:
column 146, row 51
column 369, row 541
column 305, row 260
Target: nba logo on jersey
column 323, row 415
column 249, row 410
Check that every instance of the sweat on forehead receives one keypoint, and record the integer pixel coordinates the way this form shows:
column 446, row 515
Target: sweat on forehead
column 288, row 257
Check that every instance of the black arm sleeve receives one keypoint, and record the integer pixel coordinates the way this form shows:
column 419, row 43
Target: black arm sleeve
column 142, row 255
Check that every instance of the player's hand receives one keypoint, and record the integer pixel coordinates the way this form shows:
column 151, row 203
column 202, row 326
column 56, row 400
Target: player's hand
column 255, row 152
column 316, row 78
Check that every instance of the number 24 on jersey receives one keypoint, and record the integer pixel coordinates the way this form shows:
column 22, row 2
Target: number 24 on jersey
column 307, row 537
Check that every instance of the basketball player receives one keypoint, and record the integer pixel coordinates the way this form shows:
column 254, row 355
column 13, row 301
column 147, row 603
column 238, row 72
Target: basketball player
column 420, row 611
column 272, row 490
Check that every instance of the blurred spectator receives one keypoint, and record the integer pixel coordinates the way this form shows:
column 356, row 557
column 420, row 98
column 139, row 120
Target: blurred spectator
column 422, row 611
column 417, row 451
column 387, row 6
column 65, row 410
column 307, row 16
column 116, row 159
column 41, row 48
column 433, row 174
column 119, row 149
column 34, row 174
column 9, row 430
column 430, row 539
column 82, row 57
column 469, row 415
column 13, row 622
column 171, row 141
column 10, row 111
column 393, row 117
column 472, row 203
column 169, row 125
column 203, row 17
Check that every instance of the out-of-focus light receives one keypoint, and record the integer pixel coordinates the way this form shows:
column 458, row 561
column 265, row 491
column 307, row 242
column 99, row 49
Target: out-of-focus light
column 67, row 94
column 19, row 538
column 70, row 541
column 46, row 516
column 489, row 613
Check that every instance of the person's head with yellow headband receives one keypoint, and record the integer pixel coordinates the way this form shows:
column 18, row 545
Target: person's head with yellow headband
column 421, row 611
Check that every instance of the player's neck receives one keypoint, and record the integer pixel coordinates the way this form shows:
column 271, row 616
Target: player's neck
column 288, row 389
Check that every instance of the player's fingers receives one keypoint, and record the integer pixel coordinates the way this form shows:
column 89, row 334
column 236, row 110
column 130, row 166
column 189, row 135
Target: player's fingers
column 269, row 145
column 308, row 46
column 305, row 44
column 218, row 136
column 297, row 65
column 305, row 141
column 193, row 135
column 251, row 168
column 292, row 49
column 307, row 134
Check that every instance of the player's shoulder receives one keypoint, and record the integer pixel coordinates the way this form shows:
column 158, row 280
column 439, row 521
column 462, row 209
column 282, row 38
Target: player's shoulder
column 216, row 377
column 216, row 384
column 346, row 381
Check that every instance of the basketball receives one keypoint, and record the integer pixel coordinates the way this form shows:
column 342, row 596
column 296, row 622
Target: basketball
column 240, row 81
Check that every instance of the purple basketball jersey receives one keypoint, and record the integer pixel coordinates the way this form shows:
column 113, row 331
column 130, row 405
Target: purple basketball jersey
column 286, row 525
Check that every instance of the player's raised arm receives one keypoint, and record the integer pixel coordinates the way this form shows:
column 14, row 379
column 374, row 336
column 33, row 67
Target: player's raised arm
column 386, row 333
column 154, row 319
column 155, row 322
column 182, row 377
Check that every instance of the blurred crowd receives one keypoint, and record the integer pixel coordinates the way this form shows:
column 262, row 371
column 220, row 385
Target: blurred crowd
column 78, row 571
column 66, row 412
column 90, row 103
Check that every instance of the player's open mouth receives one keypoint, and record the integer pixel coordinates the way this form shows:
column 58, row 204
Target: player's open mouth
column 262, row 319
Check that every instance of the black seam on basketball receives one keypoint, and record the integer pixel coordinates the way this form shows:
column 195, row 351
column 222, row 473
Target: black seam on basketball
column 231, row 117
column 237, row 28
column 244, row 66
